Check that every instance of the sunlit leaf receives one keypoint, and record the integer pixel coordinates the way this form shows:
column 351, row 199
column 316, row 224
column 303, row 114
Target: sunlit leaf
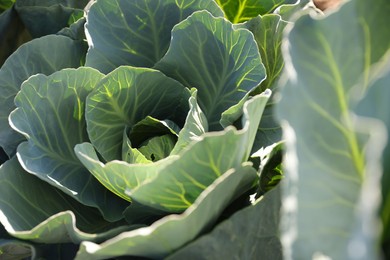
column 375, row 104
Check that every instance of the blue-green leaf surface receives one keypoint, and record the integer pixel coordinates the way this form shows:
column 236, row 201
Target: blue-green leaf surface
column 375, row 104
column 224, row 64
column 75, row 31
column 126, row 96
column 64, row 53
column 172, row 232
column 50, row 114
column 137, row 32
column 34, row 210
column 330, row 156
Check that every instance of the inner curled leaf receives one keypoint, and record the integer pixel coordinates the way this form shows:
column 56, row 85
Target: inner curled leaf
column 155, row 139
column 158, row 147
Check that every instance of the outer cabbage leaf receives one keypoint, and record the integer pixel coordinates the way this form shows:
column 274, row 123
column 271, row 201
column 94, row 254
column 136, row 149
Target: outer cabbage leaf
column 332, row 156
column 252, row 233
column 25, row 216
column 64, row 53
column 224, row 64
column 137, row 32
column 75, row 31
column 174, row 183
column 172, row 232
column 238, row 11
column 50, row 114
column 126, row 96
column 375, row 104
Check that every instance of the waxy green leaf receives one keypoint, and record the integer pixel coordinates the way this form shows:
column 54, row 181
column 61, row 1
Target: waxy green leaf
column 222, row 76
column 135, row 33
column 172, row 232
column 64, row 53
column 331, row 155
column 50, row 114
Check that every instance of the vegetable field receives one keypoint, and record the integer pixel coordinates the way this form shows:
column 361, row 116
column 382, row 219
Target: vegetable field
column 194, row 129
